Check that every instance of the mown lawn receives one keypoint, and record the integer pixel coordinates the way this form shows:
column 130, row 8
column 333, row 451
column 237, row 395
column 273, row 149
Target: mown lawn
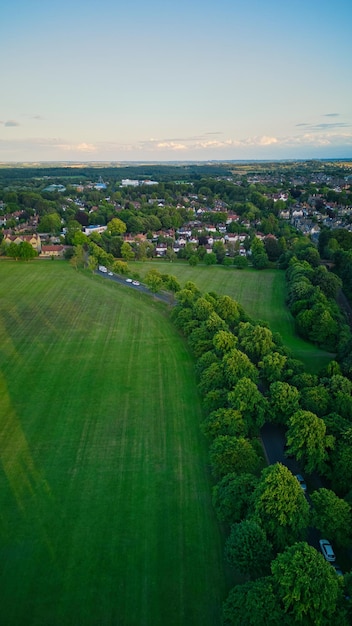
column 262, row 294
column 105, row 494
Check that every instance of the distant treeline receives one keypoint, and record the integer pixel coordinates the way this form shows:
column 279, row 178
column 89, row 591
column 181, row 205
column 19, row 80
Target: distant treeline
column 161, row 173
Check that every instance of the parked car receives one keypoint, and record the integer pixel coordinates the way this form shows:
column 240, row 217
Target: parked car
column 102, row 268
column 301, row 482
column 326, row 548
column 110, row 274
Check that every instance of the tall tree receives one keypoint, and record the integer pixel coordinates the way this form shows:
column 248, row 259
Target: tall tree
column 255, row 340
column 232, row 454
column 246, row 398
column 332, row 516
column 307, row 440
column 233, row 497
column 254, row 604
column 283, row 400
column 281, row 506
column 237, row 365
column 248, row 549
column 306, row 585
column 116, row 226
column 224, row 422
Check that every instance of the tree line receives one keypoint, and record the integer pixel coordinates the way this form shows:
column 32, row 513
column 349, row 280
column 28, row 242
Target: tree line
column 247, row 377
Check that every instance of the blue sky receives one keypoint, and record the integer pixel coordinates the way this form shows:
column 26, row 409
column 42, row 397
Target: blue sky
column 158, row 81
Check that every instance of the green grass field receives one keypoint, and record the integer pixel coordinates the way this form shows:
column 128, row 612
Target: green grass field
column 105, row 494
column 262, row 294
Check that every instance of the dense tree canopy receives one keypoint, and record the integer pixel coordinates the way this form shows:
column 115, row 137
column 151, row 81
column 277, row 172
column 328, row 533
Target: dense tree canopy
column 332, row 516
column 233, row 496
column 306, row 585
column 248, row 549
column 254, row 604
column 307, row 440
column 280, row 505
column 232, row 454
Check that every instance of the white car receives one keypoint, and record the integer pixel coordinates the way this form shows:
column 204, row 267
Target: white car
column 110, row 274
column 326, row 548
column 135, row 282
column 128, row 280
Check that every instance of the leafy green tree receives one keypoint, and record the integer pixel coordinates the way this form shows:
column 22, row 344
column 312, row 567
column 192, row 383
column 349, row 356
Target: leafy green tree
column 339, row 384
column 341, row 461
column 254, row 604
column 306, row 585
column 224, row 341
column 224, row 422
column 220, row 251
column 210, row 258
column 272, row 248
column 215, row 399
column 329, row 283
column 255, row 340
column 332, row 516
column 127, row 252
column 154, row 280
column 50, row 223
column 201, row 340
column 215, row 323
column 241, row 262
column 212, row 377
column 232, row 454
column 12, row 250
column 272, row 367
column 248, row 549
column 283, row 400
column 315, row 399
column 281, row 507
column 92, row 264
column 120, row 267
column 78, row 259
column 260, row 258
column 233, row 497
column 249, row 401
column 170, row 254
column 205, row 360
column 171, row 283
column 237, row 365
column 72, row 228
column 307, row 440
column 26, row 251
column 202, row 309
column 79, row 239
column 116, row 226
column 229, row 310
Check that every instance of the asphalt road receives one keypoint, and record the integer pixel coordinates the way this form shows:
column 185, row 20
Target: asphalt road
column 163, row 296
column 273, row 440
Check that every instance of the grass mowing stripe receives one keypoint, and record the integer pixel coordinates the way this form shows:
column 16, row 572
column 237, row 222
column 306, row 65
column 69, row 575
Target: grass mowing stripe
column 115, row 524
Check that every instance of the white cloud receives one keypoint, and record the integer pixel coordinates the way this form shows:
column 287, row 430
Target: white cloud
column 79, row 147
